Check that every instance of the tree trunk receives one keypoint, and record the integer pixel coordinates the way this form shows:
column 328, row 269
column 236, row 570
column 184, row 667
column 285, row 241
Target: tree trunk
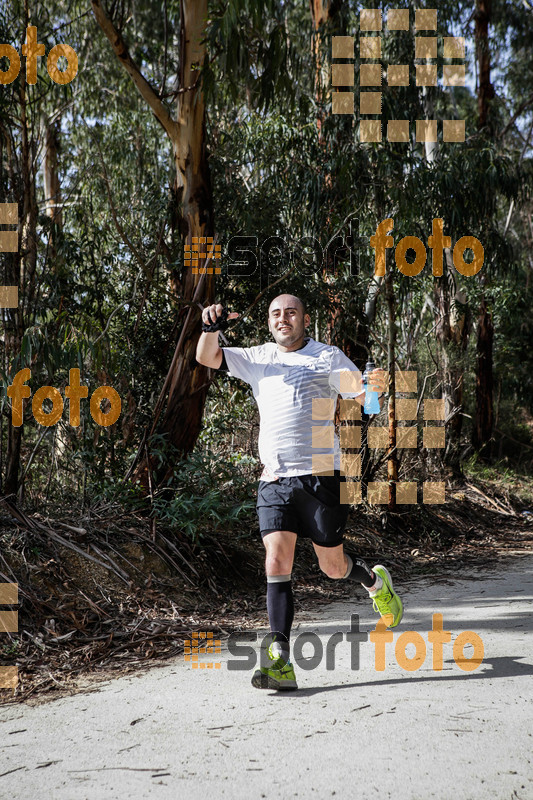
column 483, row 425
column 320, row 13
column 187, row 382
column 21, row 269
column 451, row 329
column 452, row 332
column 483, row 421
column 392, row 460
column 485, row 87
column 52, row 198
column 52, row 194
column 323, row 11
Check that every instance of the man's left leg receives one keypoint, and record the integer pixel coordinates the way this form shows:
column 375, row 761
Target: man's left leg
column 277, row 672
column 279, row 558
column 338, row 564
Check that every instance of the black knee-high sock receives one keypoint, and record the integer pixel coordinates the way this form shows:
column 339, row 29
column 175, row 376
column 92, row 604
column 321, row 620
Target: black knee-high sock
column 280, row 607
column 360, row 571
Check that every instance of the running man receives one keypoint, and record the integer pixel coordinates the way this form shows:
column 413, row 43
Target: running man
column 292, row 499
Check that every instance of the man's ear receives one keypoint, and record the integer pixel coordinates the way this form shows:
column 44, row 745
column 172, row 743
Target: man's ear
column 307, row 321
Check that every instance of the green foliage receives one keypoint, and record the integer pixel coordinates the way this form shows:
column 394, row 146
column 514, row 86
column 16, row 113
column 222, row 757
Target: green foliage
column 103, row 301
column 206, row 494
column 106, row 489
column 10, row 649
column 503, row 475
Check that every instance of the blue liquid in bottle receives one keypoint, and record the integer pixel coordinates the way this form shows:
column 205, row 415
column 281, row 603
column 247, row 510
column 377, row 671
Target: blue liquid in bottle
column 371, row 398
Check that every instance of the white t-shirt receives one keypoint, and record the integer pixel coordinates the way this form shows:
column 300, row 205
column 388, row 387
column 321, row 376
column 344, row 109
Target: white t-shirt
column 284, row 386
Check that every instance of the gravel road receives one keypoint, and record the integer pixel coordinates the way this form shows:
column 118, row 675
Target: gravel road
column 174, row 732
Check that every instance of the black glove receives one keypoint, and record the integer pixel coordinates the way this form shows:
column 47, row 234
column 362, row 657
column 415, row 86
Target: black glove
column 220, row 324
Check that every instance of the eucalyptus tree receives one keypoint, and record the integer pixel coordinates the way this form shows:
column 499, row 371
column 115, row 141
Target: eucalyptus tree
column 30, row 105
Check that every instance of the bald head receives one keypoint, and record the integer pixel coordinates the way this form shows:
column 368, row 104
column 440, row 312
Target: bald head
column 287, row 321
column 288, row 298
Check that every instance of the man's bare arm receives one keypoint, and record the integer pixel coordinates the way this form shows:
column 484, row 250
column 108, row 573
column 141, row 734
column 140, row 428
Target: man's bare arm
column 208, row 352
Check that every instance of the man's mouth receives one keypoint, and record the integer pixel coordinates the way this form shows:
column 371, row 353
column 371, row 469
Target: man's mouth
column 285, row 329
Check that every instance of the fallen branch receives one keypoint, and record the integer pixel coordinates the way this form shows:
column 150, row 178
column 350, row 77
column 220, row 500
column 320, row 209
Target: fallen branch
column 496, row 505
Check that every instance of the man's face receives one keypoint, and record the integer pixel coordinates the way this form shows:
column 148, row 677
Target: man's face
column 286, row 320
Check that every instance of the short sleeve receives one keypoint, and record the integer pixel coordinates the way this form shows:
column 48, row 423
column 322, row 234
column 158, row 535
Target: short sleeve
column 223, row 365
column 240, row 364
column 344, row 376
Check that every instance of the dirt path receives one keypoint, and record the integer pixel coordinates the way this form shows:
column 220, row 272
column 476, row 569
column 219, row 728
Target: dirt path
column 177, row 732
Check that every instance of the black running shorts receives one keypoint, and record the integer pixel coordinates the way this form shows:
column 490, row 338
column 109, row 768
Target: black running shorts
column 308, row 505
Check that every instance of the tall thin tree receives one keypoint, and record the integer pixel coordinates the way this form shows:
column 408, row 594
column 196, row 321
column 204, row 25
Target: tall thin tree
column 185, row 388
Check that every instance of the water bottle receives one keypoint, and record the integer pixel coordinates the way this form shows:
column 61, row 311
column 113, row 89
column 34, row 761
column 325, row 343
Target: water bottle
column 371, row 397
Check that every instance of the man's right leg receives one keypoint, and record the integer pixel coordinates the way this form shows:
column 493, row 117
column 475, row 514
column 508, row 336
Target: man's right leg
column 279, row 546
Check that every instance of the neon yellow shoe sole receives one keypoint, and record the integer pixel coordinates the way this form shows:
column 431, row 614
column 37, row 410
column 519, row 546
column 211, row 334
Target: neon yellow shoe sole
column 279, row 675
column 284, row 680
column 386, row 601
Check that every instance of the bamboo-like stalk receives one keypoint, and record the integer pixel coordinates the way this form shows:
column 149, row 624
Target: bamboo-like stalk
column 392, row 462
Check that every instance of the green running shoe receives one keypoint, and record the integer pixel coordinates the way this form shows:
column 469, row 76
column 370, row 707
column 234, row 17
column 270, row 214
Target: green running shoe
column 386, row 601
column 278, row 675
